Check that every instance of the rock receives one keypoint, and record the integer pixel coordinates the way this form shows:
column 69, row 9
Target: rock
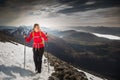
column 53, row 78
column 64, row 71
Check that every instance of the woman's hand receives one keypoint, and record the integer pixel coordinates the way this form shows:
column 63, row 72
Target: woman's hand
column 24, row 36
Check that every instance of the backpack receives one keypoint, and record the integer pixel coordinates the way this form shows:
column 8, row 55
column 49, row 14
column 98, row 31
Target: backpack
column 40, row 37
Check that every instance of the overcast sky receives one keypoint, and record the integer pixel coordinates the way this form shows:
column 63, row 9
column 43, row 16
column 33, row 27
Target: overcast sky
column 58, row 13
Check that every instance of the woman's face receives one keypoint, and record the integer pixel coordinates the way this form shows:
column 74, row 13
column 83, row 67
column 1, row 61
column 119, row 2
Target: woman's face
column 36, row 29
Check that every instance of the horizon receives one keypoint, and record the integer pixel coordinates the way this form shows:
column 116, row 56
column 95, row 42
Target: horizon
column 61, row 28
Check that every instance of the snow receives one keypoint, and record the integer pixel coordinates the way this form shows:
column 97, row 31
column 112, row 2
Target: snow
column 11, row 63
column 108, row 36
column 112, row 37
column 91, row 76
column 12, row 68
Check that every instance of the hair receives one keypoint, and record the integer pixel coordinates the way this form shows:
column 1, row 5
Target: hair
column 35, row 26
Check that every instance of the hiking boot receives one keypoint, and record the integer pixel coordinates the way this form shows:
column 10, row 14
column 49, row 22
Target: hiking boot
column 39, row 71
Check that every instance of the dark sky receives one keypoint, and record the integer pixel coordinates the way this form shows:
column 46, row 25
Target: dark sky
column 57, row 13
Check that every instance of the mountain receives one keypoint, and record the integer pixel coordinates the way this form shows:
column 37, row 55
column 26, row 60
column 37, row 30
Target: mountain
column 100, row 29
column 84, row 50
column 7, row 27
column 91, row 50
column 11, row 67
column 82, row 37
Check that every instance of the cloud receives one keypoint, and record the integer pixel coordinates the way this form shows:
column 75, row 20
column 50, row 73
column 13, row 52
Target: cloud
column 85, row 5
column 60, row 12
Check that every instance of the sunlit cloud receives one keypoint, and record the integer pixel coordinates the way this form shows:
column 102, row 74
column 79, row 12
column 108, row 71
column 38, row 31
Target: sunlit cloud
column 60, row 13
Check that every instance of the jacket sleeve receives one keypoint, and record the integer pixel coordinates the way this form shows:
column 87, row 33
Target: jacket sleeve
column 45, row 37
column 28, row 39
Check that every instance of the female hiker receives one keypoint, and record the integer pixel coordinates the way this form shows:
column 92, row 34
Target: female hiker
column 38, row 45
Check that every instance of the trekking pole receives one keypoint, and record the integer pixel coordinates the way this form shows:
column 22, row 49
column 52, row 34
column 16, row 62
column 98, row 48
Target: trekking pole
column 47, row 56
column 24, row 53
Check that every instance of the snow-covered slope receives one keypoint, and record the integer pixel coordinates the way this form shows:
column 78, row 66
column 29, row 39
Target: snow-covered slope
column 12, row 68
column 11, row 63
column 90, row 76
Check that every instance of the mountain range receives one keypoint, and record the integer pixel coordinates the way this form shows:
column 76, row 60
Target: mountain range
column 83, row 50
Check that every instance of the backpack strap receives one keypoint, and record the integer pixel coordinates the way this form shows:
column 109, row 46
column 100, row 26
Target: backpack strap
column 40, row 36
column 33, row 34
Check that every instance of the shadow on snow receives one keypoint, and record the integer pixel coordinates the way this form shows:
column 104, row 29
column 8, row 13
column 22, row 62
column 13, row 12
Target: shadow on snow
column 12, row 70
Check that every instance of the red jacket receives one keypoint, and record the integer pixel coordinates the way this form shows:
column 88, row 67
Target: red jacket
column 38, row 39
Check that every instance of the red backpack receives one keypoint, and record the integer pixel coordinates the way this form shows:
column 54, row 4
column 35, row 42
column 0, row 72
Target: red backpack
column 40, row 36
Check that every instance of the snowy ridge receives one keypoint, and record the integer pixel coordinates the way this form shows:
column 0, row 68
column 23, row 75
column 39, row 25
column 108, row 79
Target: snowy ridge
column 11, row 63
column 90, row 76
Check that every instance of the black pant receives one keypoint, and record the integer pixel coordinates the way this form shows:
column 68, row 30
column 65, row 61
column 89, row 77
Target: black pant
column 38, row 53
